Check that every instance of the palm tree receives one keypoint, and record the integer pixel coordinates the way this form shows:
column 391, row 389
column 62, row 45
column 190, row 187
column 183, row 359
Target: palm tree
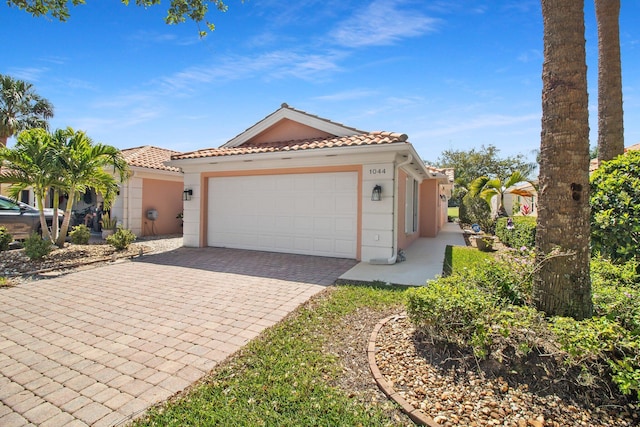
column 562, row 284
column 84, row 165
column 21, row 108
column 610, row 115
column 31, row 163
column 487, row 188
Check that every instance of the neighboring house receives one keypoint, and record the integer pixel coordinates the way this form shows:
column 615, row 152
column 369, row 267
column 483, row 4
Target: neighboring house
column 152, row 185
column 594, row 163
column 519, row 199
column 298, row 183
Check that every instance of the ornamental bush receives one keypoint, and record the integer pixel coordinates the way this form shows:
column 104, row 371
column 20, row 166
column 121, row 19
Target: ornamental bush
column 121, row 239
column 5, row 239
column 615, row 208
column 522, row 234
column 80, row 235
column 36, row 248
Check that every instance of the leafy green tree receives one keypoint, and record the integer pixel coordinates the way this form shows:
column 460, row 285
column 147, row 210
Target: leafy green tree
column 487, row 188
column 21, row 108
column 31, row 163
column 84, row 164
column 615, row 208
column 179, row 10
column 469, row 165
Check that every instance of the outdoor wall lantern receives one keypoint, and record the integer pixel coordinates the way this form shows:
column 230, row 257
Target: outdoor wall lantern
column 376, row 194
column 186, row 194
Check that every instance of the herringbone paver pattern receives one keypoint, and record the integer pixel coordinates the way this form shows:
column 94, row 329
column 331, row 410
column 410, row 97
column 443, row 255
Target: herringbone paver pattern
column 98, row 347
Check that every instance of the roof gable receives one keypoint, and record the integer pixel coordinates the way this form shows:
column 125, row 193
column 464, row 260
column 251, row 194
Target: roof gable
column 278, row 126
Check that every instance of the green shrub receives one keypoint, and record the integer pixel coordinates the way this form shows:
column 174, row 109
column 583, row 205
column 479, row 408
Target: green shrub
column 474, row 210
column 523, row 233
column 80, row 234
column 121, row 239
column 600, row 338
column 509, row 277
column 5, row 239
column 473, row 308
column 605, row 272
column 108, row 223
column 619, row 304
column 36, row 248
column 615, row 208
column 448, row 309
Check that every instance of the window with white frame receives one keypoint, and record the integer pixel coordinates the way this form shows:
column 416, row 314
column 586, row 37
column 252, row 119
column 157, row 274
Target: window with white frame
column 411, row 206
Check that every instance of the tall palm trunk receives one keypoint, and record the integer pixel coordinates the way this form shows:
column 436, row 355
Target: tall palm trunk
column 610, row 115
column 562, row 284
column 66, row 221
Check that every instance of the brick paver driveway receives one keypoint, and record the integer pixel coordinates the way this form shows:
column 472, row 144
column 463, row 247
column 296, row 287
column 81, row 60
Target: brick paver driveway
column 97, row 347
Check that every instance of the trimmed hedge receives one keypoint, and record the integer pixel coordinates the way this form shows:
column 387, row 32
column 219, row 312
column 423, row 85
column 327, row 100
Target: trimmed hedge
column 522, row 234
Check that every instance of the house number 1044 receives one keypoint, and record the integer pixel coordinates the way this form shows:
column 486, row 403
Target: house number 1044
column 377, row 171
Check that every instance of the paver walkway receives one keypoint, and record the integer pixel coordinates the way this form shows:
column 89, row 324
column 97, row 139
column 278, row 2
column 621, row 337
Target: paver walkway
column 98, row 347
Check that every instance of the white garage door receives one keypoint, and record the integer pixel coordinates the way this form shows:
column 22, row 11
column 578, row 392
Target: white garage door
column 314, row 214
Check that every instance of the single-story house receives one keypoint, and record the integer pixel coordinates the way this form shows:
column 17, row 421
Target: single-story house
column 298, row 183
column 595, row 163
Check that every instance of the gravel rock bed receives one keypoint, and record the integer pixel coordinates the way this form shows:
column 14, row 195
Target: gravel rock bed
column 15, row 264
column 455, row 394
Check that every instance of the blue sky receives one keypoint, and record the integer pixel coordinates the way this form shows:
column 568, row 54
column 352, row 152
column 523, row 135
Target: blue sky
column 450, row 74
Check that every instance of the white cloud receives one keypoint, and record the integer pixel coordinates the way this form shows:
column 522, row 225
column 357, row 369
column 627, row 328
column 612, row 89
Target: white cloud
column 347, row 95
column 30, row 74
column 269, row 65
column 382, row 22
column 485, row 121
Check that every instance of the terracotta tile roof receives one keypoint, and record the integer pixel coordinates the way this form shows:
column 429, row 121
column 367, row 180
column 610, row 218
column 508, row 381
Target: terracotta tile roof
column 449, row 172
column 371, row 138
column 150, row 157
column 634, row 147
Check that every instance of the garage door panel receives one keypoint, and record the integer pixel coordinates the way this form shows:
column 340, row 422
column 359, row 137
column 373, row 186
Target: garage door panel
column 299, row 213
column 323, row 225
column 302, row 224
column 346, row 205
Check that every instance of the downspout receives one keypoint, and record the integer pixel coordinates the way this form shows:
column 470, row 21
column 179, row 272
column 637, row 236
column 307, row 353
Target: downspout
column 392, row 260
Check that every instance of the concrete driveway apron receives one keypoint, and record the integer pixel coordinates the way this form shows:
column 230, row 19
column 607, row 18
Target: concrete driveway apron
column 98, row 347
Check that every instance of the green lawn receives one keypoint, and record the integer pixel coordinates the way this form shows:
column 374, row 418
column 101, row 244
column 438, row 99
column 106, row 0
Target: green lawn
column 284, row 377
column 453, row 212
column 459, row 257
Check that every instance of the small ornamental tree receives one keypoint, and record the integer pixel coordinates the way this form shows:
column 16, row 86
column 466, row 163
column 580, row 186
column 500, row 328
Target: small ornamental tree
column 615, row 208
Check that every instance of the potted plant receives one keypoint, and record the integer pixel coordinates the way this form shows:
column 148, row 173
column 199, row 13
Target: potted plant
column 108, row 225
column 485, row 242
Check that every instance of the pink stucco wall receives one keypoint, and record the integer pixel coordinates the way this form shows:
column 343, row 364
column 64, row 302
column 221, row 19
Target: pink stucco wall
column 288, row 130
column 166, row 198
column 429, row 208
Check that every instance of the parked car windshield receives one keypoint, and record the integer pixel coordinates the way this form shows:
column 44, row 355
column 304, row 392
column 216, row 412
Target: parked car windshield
column 8, row 205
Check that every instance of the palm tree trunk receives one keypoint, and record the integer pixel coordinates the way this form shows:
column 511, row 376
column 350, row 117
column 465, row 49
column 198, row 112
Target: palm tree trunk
column 610, row 114
column 67, row 218
column 40, row 194
column 562, row 285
